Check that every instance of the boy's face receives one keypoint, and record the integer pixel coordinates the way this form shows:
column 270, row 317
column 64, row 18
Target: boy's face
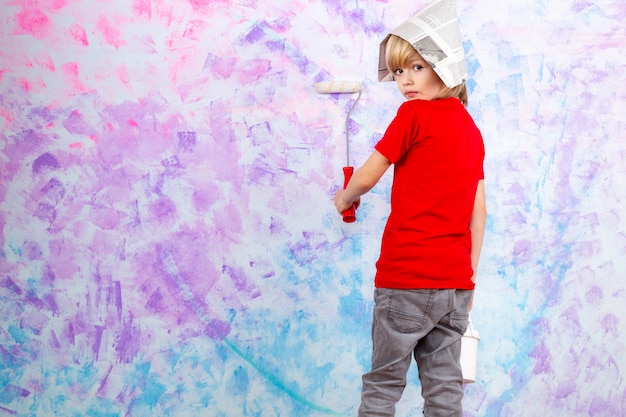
column 417, row 79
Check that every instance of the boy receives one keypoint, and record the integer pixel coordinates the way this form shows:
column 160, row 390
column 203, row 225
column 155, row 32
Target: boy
column 432, row 240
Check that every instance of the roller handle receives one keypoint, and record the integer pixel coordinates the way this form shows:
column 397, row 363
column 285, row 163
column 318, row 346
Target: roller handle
column 349, row 215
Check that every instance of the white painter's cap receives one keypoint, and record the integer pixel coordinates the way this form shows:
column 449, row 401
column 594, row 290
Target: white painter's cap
column 434, row 32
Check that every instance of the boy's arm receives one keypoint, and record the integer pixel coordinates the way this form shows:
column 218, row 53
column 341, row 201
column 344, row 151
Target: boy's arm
column 477, row 224
column 363, row 180
column 477, row 227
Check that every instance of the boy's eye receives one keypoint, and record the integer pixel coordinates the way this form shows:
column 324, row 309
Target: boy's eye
column 417, row 67
column 397, row 71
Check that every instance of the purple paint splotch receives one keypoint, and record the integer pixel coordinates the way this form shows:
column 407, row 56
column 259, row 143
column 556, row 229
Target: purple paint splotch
column 45, row 162
column 97, row 341
column 163, row 209
column 54, row 190
column 541, row 354
column 182, row 275
column 46, row 212
column 8, row 283
column 12, row 392
column 128, row 343
column 186, row 141
column 76, row 124
column 32, row 251
column 610, row 324
column 220, row 67
column 242, row 282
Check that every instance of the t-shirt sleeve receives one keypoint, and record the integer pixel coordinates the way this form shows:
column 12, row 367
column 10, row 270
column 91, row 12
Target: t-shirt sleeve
column 401, row 134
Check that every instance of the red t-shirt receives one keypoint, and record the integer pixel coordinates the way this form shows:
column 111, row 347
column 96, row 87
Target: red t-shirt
column 438, row 154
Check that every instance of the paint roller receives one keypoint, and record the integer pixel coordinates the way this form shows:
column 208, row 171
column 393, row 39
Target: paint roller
column 344, row 87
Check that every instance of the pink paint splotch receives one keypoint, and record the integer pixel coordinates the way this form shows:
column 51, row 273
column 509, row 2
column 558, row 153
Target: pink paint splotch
column 45, row 62
column 122, row 74
column 79, row 34
column 142, row 8
column 71, row 71
column 111, row 32
column 34, row 22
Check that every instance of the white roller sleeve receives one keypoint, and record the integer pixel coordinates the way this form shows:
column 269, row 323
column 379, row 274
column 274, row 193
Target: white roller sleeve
column 327, row 87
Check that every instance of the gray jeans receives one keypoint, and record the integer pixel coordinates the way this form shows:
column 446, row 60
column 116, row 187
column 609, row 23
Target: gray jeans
column 428, row 325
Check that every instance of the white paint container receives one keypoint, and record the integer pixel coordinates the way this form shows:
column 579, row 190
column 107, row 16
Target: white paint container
column 469, row 353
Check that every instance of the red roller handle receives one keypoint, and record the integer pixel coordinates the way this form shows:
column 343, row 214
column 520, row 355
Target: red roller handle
column 349, row 215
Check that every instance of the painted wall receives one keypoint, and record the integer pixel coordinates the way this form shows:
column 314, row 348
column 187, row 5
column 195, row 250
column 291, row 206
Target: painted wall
column 169, row 245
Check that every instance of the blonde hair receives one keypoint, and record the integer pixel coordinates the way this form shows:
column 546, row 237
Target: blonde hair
column 397, row 53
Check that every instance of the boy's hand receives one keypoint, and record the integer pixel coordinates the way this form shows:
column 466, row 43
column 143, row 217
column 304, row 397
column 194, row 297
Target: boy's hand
column 341, row 204
column 361, row 181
